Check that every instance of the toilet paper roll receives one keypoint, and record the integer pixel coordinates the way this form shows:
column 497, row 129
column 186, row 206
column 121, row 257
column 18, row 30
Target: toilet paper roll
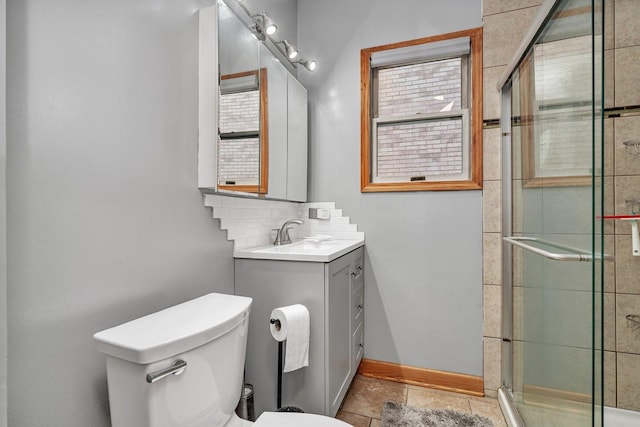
column 293, row 321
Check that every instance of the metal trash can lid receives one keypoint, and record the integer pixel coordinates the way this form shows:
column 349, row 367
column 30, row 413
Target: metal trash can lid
column 247, row 391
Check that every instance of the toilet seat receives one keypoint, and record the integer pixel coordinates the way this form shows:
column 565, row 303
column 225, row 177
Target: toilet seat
column 296, row 419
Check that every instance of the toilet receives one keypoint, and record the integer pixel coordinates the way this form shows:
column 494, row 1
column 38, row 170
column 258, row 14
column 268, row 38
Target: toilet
column 183, row 366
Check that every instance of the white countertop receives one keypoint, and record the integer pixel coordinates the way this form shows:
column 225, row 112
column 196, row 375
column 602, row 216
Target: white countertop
column 303, row 250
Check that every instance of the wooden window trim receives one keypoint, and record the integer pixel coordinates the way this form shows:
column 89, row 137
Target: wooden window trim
column 475, row 148
column 263, row 185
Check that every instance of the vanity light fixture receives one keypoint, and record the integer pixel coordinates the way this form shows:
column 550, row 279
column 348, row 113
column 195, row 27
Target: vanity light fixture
column 309, row 64
column 257, row 32
column 268, row 25
column 263, row 28
column 289, row 49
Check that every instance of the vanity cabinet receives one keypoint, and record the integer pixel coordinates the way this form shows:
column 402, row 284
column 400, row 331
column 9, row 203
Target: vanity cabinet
column 333, row 292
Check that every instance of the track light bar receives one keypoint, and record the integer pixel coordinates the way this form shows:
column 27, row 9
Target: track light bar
column 263, row 27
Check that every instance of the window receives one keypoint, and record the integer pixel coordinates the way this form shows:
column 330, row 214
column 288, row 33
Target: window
column 421, row 125
column 243, row 133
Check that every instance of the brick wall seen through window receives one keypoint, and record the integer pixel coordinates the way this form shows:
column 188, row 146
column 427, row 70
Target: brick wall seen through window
column 424, row 148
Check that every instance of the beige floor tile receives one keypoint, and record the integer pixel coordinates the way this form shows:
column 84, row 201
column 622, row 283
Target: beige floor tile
column 354, row 419
column 431, row 399
column 362, row 377
column 488, row 408
column 363, row 404
column 366, row 397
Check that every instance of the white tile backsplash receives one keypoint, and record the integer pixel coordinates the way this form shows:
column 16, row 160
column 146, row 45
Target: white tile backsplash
column 250, row 222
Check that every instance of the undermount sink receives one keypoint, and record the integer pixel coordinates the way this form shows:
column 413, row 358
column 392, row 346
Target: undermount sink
column 303, row 250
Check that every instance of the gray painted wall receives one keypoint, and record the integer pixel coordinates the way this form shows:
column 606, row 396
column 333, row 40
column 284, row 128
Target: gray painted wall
column 105, row 222
column 424, row 260
column 3, row 217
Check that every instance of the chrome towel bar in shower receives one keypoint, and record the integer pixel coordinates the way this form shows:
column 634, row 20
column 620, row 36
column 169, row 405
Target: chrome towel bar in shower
column 575, row 255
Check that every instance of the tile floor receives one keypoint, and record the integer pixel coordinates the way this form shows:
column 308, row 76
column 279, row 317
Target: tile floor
column 362, row 405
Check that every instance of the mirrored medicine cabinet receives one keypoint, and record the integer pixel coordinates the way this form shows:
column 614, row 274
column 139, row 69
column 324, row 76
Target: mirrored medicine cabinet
column 252, row 112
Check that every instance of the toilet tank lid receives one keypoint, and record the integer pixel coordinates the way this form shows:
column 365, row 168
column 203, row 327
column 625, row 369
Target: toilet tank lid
column 174, row 330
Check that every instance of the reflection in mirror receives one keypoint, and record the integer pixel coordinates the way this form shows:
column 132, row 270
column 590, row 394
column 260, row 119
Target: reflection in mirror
column 243, row 136
column 242, row 95
column 556, row 107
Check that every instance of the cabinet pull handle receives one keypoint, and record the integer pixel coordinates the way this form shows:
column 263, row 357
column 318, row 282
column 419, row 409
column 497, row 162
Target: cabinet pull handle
column 359, row 306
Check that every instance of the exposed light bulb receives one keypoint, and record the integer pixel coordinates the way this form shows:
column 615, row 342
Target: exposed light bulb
column 311, row 65
column 270, row 27
column 290, row 49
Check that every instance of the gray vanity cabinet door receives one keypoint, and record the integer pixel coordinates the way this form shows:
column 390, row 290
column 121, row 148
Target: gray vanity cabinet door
column 338, row 332
column 333, row 293
column 274, row 284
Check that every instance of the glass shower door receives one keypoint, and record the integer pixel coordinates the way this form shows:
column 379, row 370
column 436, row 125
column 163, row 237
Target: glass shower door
column 553, row 238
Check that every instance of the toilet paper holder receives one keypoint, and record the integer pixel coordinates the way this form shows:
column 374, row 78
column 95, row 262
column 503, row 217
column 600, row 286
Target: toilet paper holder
column 276, row 323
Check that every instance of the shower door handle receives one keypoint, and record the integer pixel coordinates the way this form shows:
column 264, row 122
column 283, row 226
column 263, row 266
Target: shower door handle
column 575, row 255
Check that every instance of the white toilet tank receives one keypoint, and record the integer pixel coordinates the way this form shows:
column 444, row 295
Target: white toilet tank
column 208, row 333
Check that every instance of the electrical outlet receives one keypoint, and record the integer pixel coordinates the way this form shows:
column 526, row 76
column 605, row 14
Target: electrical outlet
column 319, row 213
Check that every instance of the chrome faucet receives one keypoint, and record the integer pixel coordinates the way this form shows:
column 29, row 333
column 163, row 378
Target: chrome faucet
column 282, row 233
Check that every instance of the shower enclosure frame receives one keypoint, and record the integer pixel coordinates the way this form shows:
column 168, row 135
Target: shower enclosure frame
column 505, row 395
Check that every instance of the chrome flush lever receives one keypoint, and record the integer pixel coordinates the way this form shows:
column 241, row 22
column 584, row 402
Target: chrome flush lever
column 177, row 367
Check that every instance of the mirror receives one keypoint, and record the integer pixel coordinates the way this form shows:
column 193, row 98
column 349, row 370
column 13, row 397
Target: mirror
column 242, row 109
column 253, row 141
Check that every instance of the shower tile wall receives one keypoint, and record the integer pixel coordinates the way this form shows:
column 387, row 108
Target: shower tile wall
column 622, row 338
column 505, row 24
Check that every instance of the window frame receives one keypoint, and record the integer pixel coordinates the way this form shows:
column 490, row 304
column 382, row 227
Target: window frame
column 474, row 152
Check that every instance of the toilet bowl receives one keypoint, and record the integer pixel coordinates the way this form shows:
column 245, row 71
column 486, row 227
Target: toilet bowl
column 183, row 366
column 287, row 419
